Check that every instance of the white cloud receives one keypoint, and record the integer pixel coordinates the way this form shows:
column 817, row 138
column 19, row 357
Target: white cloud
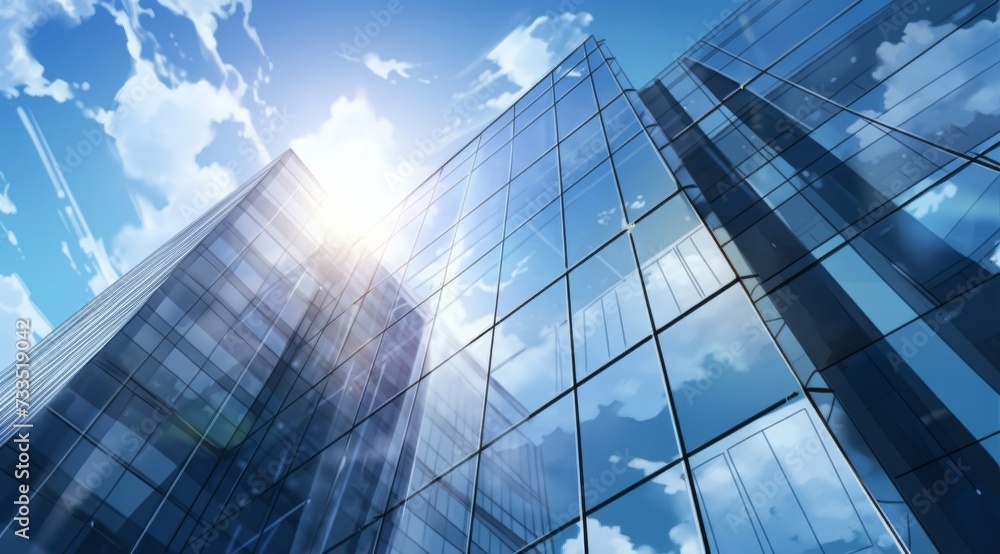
column 15, row 303
column 349, row 154
column 609, row 539
column 995, row 258
column 205, row 16
column 70, row 213
column 383, row 68
column 637, row 402
column 11, row 238
column 159, row 131
column 64, row 248
column 936, row 89
column 7, row 206
column 672, row 481
column 128, row 20
column 161, row 123
column 19, row 21
column 529, row 52
column 704, row 350
column 931, row 200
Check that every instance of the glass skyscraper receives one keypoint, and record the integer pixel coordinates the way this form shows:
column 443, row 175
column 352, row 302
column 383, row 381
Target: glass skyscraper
column 748, row 307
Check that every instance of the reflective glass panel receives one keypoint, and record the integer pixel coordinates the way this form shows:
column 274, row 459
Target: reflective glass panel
column 593, row 213
column 528, row 482
column 534, row 141
column 655, row 517
column 581, row 151
column 609, row 309
column 620, row 122
column 488, row 176
column 775, row 487
column 532, row 190
column 642, row 177
column 532, row 258
column 681, row 264
column 575, row 108
column 626, row 430
column 722, row 367
column 447, row 415
column 531, row 359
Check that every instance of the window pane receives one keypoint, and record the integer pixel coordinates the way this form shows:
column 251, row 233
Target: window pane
column 774, row 487
column 581, row 151
column 593, row 213
column 532, row 468
column 532, row 190
column 620, row 122
column 478, row 233
column 575, row 108
column 569, row 63
column 534, row 141
column 959, row 389
column 445, row 426
column 425, row 272
column 487, row 178
column 531, row 360
column 436, row 519
column 543, row 88
column 620, row 410
column 493, row 144
column 872, row 294
column 466, row 307
column 681, row 264
column 722, row 367
column 532, row 258
column 361, row 483
column 572, row 78
column 498, row 127
column 643, row 178
column 656, row 517
column 441, row 215
column 605, row 84
column 609, row 310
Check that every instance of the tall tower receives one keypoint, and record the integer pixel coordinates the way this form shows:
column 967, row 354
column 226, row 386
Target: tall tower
column 698, row 316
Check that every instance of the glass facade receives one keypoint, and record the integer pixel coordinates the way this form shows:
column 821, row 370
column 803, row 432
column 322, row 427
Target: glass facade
column 843, row 157
column 748, row 307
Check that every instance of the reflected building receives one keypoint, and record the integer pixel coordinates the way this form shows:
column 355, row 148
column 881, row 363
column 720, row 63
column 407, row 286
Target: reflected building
column 747, row 307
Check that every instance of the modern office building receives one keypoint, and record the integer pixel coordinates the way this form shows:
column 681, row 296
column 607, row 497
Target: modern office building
column 748, row 307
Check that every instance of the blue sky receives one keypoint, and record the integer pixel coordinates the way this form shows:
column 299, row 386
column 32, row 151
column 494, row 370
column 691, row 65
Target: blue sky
column 123, row 120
